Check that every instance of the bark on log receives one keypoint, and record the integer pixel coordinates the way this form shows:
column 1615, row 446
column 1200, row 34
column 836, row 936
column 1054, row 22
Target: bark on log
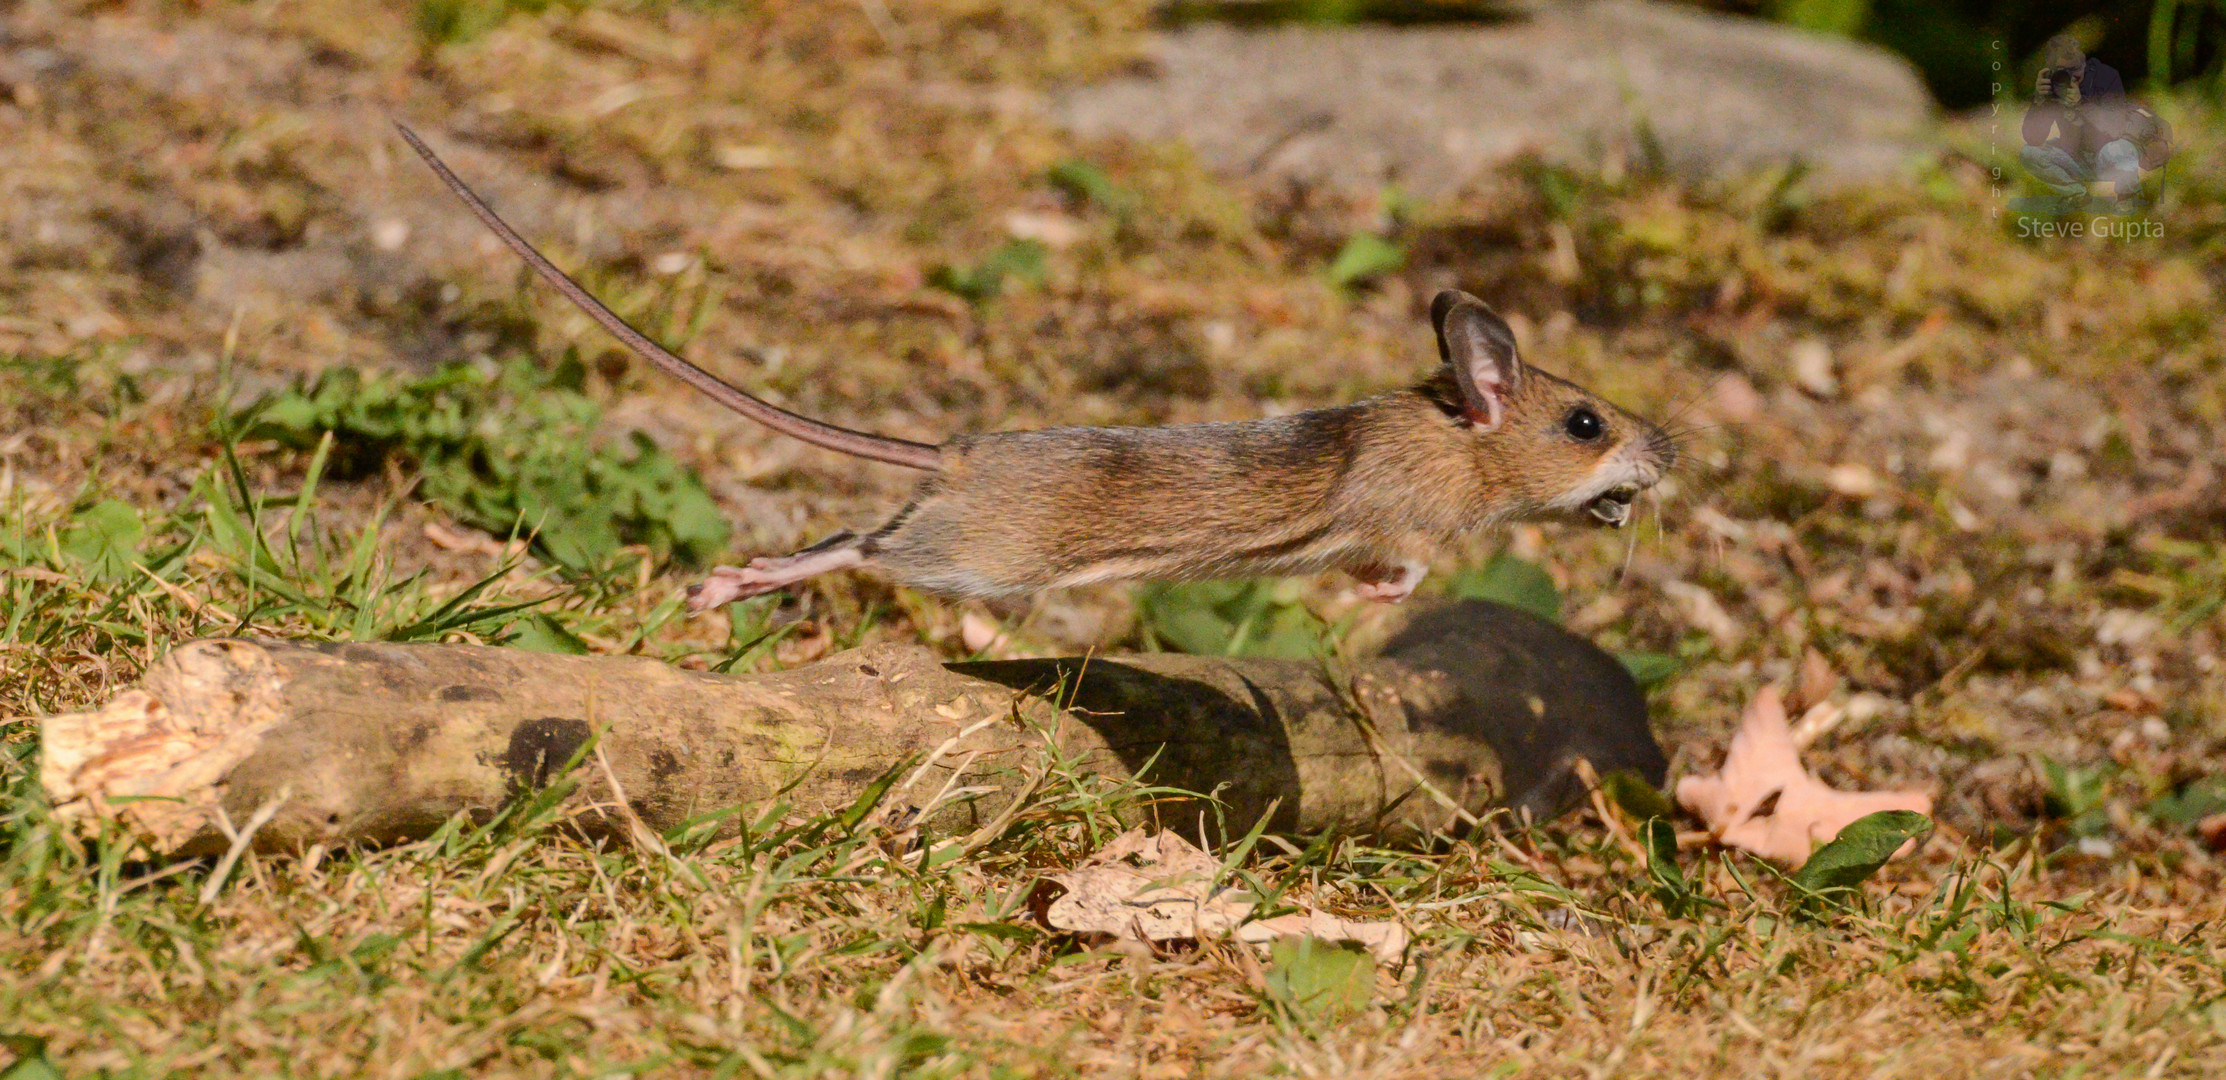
column 333, row 744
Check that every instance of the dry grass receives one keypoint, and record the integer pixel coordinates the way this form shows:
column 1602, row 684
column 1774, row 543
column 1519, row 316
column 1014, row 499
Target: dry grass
column 2004, row 525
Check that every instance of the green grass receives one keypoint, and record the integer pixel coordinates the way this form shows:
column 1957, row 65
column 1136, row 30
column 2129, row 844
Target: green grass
column 803, row 946
column 512, row 454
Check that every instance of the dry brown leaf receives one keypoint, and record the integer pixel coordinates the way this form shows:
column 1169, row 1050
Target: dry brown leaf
column 811, row 641
column 1817, row 682
column 1161, row 888
column 1386, row 941
column 2213, row 831
column 1764, row 802
column 470, row 541
column 1705, row 613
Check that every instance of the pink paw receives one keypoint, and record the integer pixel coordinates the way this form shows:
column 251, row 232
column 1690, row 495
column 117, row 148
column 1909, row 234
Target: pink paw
column 1386, row 585
column 730, row 583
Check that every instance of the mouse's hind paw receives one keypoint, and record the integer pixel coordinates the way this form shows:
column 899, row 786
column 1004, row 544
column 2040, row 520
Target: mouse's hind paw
column 766, row 573
column 726, row 585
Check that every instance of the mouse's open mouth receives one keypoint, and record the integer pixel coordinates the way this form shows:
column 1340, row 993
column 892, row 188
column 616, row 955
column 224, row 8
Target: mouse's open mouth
column 1613, row 506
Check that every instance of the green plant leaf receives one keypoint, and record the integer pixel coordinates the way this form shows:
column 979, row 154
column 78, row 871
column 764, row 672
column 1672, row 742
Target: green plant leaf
column 1231, row 618
column 1650, row 669
column 105, row 538
column 1002, row 931
column 1365, row 256
column 2077, row 794
column 456, row 22
column 2186, row 806
column 541, row 633
column 1636, row 797
column 1558, row 187
column 1840, row 18
column 872, row 795
column 982, row 281
column 1670, row 886
column 514, row 451
column 30, row 1059
column 1084, row 182
column 1318, row 981
column 1517, row 583
column 1858, row 851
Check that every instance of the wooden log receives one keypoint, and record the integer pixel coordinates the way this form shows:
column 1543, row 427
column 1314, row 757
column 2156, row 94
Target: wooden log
column 350, row 743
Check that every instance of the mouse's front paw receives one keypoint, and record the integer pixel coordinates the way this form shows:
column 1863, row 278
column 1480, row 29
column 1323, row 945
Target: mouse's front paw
column 1383, row 592
column 1388, row 585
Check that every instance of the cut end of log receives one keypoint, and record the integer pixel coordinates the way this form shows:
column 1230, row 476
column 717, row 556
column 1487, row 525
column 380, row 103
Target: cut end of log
column 153, row 759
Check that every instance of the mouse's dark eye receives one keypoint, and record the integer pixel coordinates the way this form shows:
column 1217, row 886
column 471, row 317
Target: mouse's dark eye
column 1584, row 425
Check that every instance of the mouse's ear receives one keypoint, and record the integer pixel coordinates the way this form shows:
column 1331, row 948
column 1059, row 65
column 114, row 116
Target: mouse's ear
column 1477, row 344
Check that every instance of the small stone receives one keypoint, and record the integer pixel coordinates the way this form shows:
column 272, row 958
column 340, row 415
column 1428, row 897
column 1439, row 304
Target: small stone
column 2066, row 465
column 1855, row 481
column 2121, row 626
column 1812, row 367
column 1051, row 230
column 1436, row 108
column 1952, row 453
column 746, row 158
column 978, row 633
column 390, row 234
column 1737, row 400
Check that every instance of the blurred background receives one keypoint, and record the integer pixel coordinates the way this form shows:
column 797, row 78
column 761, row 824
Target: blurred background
column 1952, row 44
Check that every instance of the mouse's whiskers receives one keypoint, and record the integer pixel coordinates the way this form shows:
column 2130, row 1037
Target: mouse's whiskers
column 1679, row 407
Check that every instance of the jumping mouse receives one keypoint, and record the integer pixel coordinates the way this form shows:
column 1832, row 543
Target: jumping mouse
column 1372, row 488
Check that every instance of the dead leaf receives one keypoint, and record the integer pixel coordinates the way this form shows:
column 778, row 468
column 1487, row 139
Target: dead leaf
column 2213, row 831
column 470, row 542
column 1386, row 941
column 1763, row 801
column 811, row 641
column 1817, row 722
column 1161, row 888
column 1816, row 684
column 1703, row 612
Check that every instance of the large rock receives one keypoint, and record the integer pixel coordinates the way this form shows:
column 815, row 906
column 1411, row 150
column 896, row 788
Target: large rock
column 1433, row 108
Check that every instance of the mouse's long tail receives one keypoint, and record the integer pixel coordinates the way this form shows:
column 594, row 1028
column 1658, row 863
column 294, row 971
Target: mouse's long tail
column 861, row 444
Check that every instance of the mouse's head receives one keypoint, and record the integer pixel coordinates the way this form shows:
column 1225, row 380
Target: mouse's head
column 1552, row 446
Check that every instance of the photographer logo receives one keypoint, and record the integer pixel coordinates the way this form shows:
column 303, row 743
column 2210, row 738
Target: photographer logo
column 2099, row 153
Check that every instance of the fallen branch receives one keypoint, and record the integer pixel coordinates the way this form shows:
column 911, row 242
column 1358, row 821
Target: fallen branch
column 353, row 743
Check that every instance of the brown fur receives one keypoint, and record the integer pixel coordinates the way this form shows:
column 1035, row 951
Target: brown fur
column 1382, row 481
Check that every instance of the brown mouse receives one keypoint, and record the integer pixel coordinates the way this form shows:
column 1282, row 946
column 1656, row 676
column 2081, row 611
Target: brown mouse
column 1373, row 488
